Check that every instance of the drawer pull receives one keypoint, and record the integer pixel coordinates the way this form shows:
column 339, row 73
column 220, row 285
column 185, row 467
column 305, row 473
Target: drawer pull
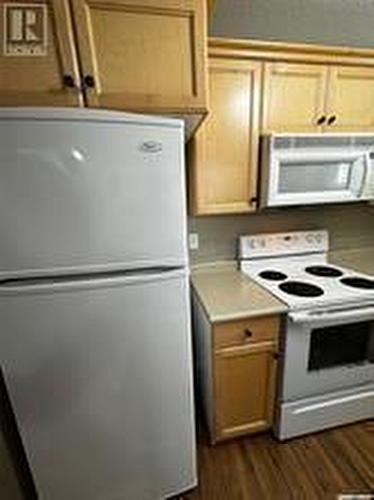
column 248, row 333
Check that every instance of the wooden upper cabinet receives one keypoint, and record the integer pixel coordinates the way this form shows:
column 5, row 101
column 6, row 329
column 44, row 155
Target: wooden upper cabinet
column 317, row 98
column 143, row 55
column 350, row 103
column 225, row 148
column 293, row 97
column 38, row 80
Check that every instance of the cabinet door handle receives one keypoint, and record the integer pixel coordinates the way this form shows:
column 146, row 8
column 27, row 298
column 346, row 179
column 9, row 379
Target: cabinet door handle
column 68, row 81
column 321, row 120
column 331, row 120
column 89, row 81
column 253, row 200
column 248, row 333
column 276, row 355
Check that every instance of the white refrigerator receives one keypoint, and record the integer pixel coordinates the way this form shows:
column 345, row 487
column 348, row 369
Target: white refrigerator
column 95, row 344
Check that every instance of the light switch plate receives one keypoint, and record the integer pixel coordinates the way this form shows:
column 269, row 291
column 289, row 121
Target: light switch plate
column 193, row 241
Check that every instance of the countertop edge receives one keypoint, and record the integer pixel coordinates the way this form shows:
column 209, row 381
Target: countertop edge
column 244, row 315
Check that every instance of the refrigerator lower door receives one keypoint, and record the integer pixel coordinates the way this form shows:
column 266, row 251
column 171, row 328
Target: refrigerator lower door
column 99, row 374
column 89, row 192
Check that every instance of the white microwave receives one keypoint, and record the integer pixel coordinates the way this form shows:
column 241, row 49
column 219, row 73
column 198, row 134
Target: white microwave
column 300, row 169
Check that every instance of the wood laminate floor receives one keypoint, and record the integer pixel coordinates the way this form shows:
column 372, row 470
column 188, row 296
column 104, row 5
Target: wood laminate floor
column 318, row 466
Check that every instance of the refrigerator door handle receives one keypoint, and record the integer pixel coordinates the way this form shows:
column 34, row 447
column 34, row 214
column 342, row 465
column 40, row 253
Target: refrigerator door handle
column 90, row 281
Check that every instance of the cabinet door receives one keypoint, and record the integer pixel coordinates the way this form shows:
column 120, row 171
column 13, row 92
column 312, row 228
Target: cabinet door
column 350, row 102
column 38, row 52
column 294, row 97
column 142, row 55
column 245, row 381
column 225, row 149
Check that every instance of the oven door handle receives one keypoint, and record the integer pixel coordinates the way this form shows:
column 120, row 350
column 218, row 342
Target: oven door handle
column 334, row 316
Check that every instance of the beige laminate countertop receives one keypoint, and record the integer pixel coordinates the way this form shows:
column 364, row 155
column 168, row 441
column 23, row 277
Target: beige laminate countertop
column 227, row 294
column 359, row 259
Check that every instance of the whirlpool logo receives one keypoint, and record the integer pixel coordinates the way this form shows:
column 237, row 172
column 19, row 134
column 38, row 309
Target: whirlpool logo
column 25, row 29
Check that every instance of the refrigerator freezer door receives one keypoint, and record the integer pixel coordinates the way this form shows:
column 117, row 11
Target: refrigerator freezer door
column 83, row 193
column 99, row 376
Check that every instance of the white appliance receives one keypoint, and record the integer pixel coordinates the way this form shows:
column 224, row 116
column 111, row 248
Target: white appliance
column 95, row 345
column 328, row 347
column 308, row 169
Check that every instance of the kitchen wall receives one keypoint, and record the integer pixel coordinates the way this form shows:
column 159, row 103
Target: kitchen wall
column 336, row 22
column 350, row 226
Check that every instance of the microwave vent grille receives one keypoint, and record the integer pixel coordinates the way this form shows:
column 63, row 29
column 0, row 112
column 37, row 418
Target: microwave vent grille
column 303, row 142
column 364, row 141
column 322, row 141
column 283, row 142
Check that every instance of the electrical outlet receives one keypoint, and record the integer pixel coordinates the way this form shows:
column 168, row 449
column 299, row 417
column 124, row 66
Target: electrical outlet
column 193, row 241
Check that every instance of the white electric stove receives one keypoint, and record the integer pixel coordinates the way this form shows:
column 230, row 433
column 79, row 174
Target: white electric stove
column 295, row 268
column 328, row 349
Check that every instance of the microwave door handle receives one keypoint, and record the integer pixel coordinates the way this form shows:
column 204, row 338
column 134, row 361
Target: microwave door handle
column 365, row 174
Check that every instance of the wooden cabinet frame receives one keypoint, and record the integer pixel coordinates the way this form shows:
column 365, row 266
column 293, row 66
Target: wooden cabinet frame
column 236, row 372
column 39, row 81
column 278, row 77
column 238, row 168
column 126, row 55
column 226, row 411
column 350, row 99
column 335, row 64
column 290, row 52
column 192, row 17
column 326, row 107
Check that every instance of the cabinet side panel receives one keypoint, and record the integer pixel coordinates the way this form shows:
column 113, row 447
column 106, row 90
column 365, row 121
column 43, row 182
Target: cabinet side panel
column 202, row 338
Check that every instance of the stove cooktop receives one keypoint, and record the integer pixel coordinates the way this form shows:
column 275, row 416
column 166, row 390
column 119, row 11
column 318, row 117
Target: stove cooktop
column 301, row 289
column 295, row 268
column 303, row 284
column 324, row 270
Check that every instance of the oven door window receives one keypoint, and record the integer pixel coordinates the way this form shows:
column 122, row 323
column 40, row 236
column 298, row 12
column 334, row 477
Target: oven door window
column 341, row 345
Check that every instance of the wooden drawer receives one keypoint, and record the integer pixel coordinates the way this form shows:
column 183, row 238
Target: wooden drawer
column 246, row 331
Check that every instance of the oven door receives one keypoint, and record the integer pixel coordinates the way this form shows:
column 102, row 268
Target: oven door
column 328, row 350
column 306, row 177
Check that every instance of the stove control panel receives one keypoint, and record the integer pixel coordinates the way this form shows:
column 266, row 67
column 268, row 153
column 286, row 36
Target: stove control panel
column 282, row 244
